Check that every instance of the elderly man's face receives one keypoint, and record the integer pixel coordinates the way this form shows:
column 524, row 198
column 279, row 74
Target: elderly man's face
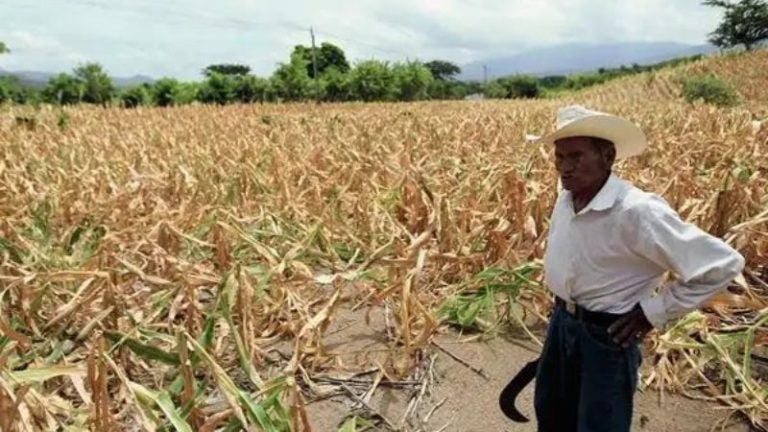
column 581, row 164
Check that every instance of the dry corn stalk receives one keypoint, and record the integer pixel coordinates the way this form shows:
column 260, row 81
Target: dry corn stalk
column 228, row 222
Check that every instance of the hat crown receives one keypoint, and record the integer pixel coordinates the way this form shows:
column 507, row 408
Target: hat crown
column 578, row 121
column 572, row 113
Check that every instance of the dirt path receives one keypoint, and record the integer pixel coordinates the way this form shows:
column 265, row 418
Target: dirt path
column 463, row 401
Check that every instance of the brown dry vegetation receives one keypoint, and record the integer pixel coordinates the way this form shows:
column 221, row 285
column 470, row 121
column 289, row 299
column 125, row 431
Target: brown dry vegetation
column 178, row 267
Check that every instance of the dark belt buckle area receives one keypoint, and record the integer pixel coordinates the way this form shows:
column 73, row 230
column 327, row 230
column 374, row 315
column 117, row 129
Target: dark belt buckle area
column 571, row 307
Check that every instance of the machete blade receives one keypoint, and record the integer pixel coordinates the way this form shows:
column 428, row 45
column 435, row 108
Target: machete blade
column 513, row 388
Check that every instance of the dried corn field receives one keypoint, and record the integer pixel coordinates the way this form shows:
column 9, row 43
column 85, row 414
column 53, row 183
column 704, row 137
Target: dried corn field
column 153, row 260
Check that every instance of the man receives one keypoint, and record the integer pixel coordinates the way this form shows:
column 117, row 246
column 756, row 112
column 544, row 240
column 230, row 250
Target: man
column 609, row 246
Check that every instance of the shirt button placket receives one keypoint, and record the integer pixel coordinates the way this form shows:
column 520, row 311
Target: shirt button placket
column 571, row 271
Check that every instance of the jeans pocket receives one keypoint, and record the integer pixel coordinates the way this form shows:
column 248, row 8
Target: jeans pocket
column 599, row 336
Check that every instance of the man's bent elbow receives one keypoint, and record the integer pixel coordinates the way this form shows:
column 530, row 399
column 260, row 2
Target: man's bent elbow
column 738, row 265
column 731, row 269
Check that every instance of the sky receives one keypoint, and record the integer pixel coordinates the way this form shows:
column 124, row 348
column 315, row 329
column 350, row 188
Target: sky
column 180, row 37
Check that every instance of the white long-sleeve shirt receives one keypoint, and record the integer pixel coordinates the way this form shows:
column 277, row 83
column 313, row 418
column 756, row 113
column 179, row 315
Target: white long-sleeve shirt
column 614, row 253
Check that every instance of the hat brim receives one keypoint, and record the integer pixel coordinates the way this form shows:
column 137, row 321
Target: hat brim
column 628, row 138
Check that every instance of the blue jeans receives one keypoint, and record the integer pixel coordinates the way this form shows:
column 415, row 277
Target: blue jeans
column 584, row 382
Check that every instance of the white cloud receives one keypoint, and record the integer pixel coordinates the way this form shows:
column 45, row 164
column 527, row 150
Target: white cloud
column 180, row 37
column 24, row 41
column 34, row 49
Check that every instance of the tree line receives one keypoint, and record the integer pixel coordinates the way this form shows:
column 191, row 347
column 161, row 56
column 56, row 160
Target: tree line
column 324, row 74
column 330, row 79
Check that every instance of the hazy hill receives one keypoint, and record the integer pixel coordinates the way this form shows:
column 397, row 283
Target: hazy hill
column 40, row 79
column 572, row 58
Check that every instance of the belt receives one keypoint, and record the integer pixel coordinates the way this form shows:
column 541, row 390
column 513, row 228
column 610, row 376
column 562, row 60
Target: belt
column 603, row 319
column 528, row 373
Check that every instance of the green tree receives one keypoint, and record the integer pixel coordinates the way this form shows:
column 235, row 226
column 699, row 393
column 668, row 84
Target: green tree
column 520, row 87
column 97, row 85
column 442, row 70
column 580, row 81
column 328, row 56
column 166, row 92
column 494, row 90
column 11, row 90
column 412, row 81
column 291, row 81
column 710, row 89
column 64, row 89
column 249, row 89
column 332, row 57
column 557, row 81
column 226, row 69
column 218, row 88
column 187, row 93
column 136, row 96
column 335, row 85
column 460, row 90
column 745, row 23
column 451, row 89
column 439, row 90
column 372, row 80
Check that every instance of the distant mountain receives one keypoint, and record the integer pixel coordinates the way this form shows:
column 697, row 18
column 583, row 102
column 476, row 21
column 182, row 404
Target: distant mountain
column 29, row 78
column 40, row 79
column 133, row 80
column 574, row 58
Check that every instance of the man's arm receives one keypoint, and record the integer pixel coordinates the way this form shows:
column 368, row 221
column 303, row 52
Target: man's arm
column 702, row 263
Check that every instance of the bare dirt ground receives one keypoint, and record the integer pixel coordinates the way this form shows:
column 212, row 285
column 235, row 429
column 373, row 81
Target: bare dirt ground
column 458, row 398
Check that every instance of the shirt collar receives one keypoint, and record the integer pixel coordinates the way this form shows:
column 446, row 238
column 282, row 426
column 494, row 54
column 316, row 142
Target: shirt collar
column 605, row 199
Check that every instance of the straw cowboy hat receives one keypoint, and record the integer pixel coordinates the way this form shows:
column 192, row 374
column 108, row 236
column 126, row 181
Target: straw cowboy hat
column 576, row 120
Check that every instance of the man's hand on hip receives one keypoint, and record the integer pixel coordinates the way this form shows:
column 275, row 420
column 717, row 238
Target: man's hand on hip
column 630, row 328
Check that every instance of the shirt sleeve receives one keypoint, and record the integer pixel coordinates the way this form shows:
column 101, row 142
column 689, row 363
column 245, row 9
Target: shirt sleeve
column 702, row 263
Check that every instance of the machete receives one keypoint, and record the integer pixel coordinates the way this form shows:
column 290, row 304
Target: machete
column 513, row 388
